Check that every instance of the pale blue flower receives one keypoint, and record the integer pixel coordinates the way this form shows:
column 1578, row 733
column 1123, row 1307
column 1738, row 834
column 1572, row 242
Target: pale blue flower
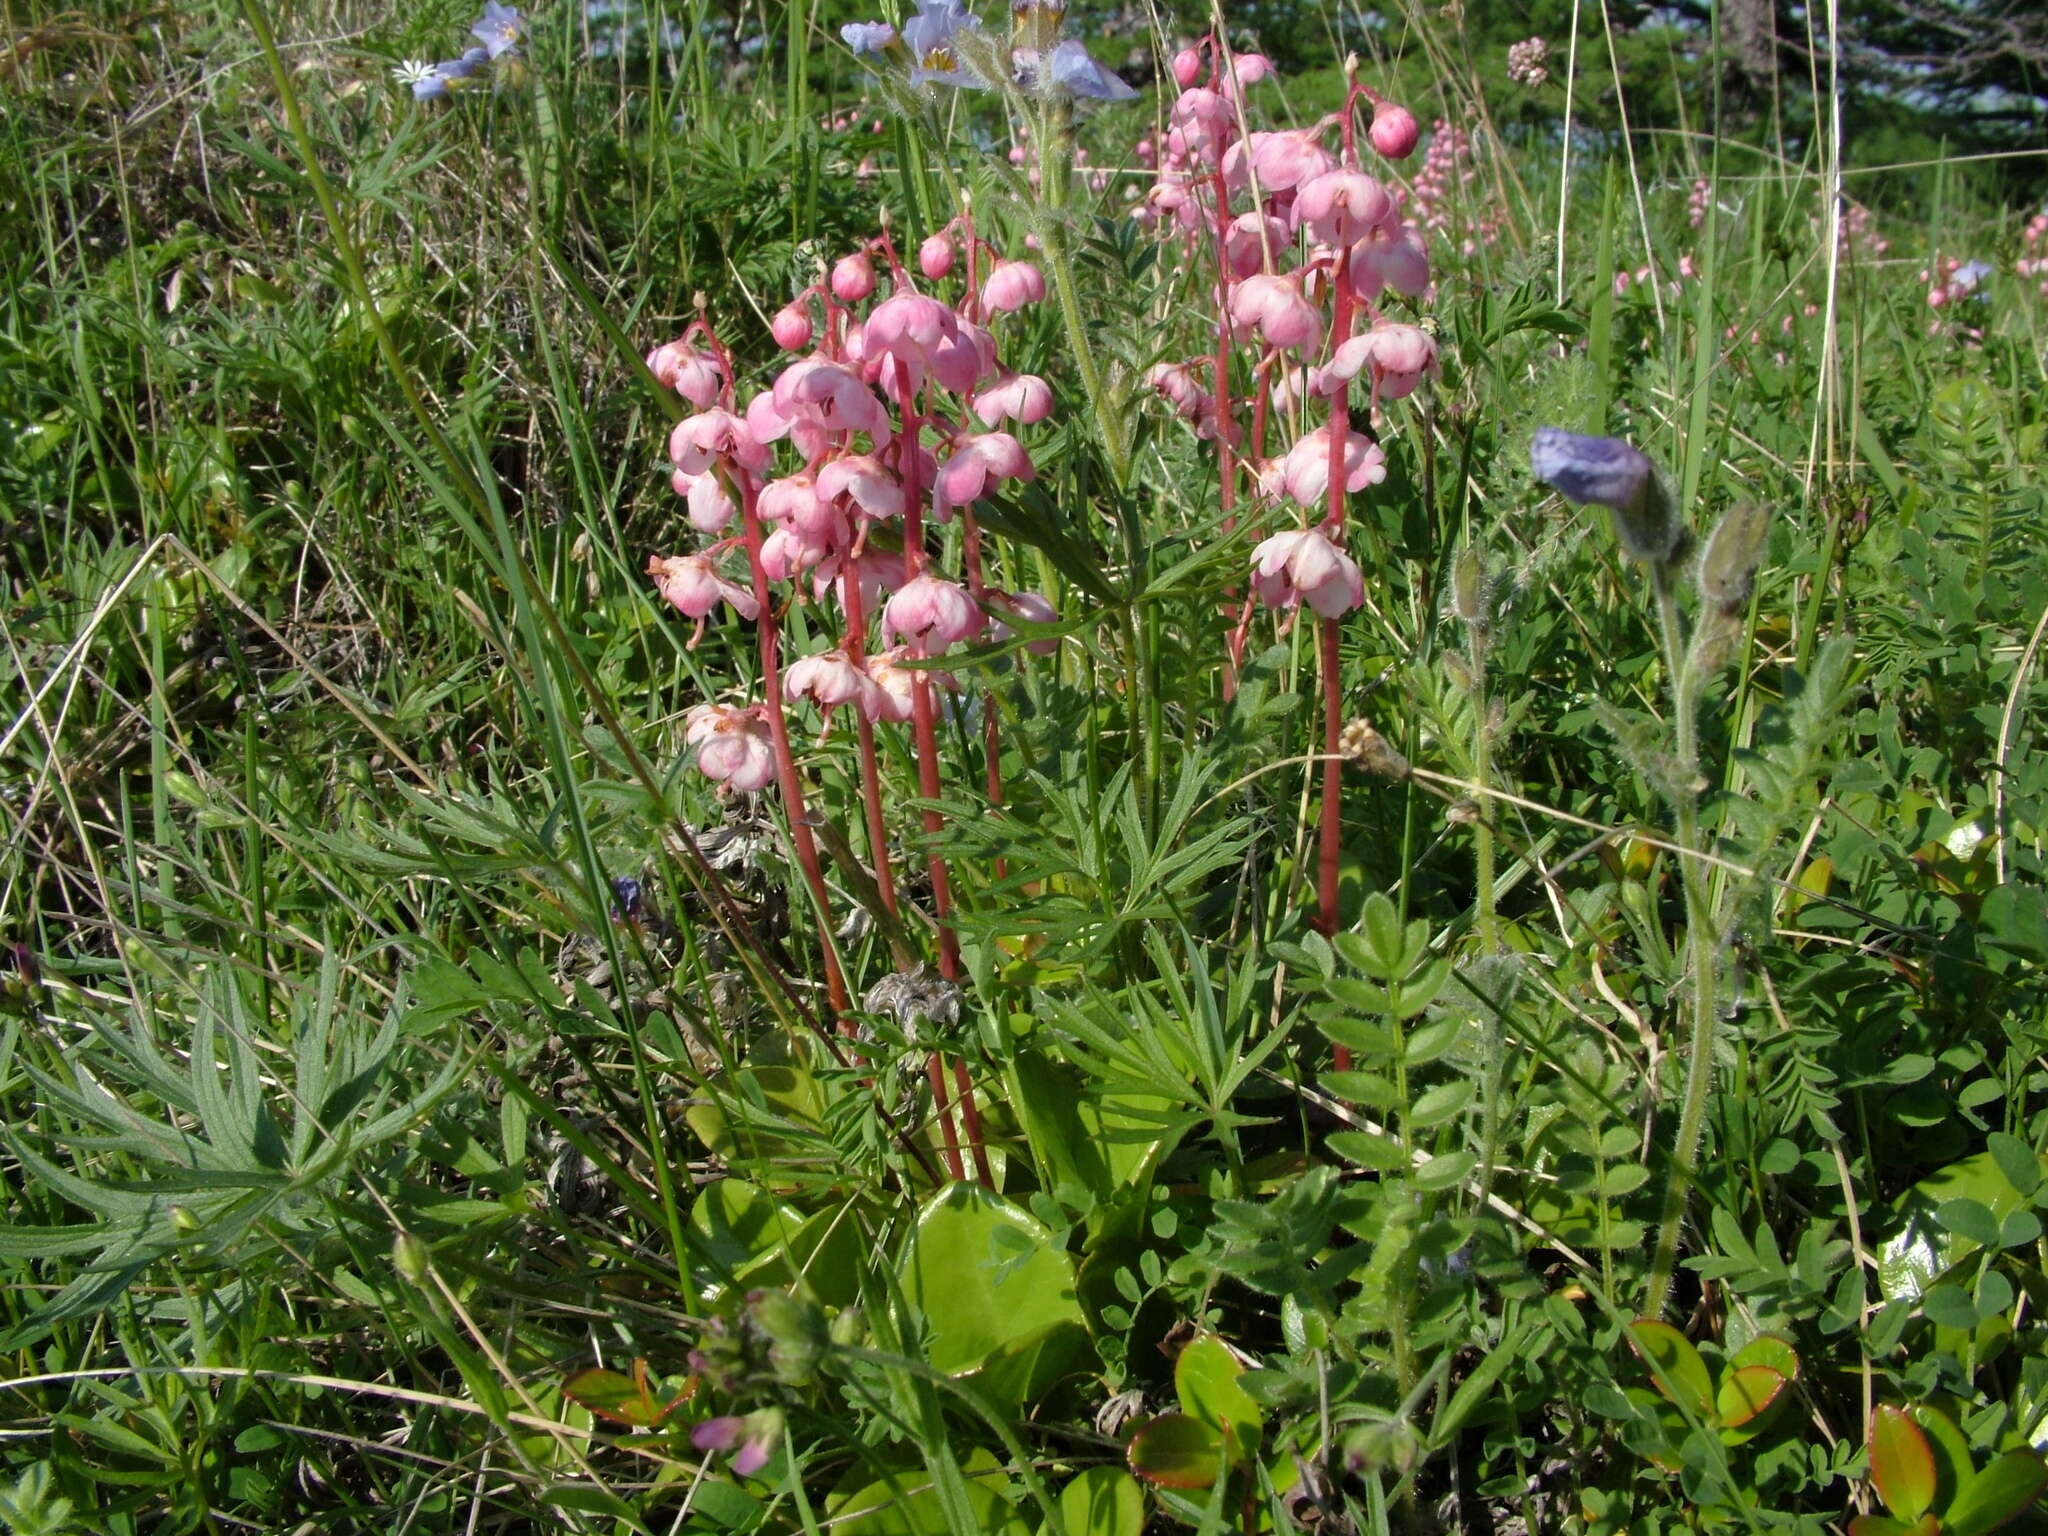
column 867, row 37
column 1075, row 71
column 930, row 34
column 501, row 29
column 426, row 80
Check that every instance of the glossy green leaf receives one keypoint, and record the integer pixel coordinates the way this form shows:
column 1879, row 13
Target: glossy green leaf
column 1103, row 1501
column 1767, row 1349
column 1177, row 1450
column 1954, row 1464
column 908, row 1503
column 1885, row 1525
column 2000, row 1492
column 1745, row 1400
column 1205, row 1377
column 989, row 1282
column 628, row 1400
column 1920, row 1249
column 1901, row 1465
column 1675, row 1365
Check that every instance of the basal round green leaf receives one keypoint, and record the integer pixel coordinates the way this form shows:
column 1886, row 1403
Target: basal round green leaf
column 1901, row 1465
column 1177, row 1450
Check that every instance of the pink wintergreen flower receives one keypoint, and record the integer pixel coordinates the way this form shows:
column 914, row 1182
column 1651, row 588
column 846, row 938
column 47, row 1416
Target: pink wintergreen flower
column 832, row 678
column 794, row 502
column 769, row 424
column 1342, row 207
column 1400, row 357
column 1027, row 606
column 692, row 584
column 931, row 614
column 1282, row 161
column 694, row 374
column 1202, row 124
column 789, row 551
column 863, row 480
column 702, row 440
column 853, row 278
column 897, row 684
column 968, row 360
column 1389, row 257
column 878, row 571
column 1307, row 567
column 935, row 256
column 1273, row 306
column 979, row 463
column 1187, row 67
column 1011, row 286
column 1023, row 397
column 1305, row 473
column 1394, row 130
column 908, row 328
column 791, row 328
column 733, row 746
column 1251, row 243
column 710, row 504
column 830, row 396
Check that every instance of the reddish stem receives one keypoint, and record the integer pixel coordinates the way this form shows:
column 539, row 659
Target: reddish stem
column 870, row 769
column 1333, row 723
column 785, row 760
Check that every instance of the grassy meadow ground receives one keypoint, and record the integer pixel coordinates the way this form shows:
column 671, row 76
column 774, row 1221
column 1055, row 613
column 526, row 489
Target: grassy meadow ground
column 420, row 1109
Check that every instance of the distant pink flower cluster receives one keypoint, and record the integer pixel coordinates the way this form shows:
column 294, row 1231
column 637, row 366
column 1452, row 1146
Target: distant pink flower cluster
column 1700, row 200
column 1448, row 172
column 1307, row 245
column 1529, row 62
column 2034, row 242
column 896, row 405
column 1858, row 236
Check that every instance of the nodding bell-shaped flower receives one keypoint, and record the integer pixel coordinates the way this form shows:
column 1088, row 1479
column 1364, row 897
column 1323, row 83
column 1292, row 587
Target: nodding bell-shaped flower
column 1342, row 207
column 710, row 504
column 897, row 684
column 1305, row 474
column 831, row 679
column 828, row 395
column 908, row 328
column 789, row 551
column 1394, row 130
column 1201, row 126
column 1281, row 161
column 1390, row 257
column 1274, row 308
column 1011, row 286
column 711, row 437
column 691, row 583
column 1399, row 356
column 979, row 463
column 694, row 374
column 931, row 614
column 1022, row 397
column 733, row 746
column 1307, row 566
column 1027, row 606
column 1252, row 243
column 863, row 482
column 793, row 502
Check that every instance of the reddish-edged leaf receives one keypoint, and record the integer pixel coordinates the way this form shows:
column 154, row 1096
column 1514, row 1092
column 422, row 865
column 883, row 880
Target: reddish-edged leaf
column 1746, row 1396
column 1177, row 1450
column 627, row 1400
column 1680, row 1373
column 1885, row 1525
column 1901, row 1465
column 1767, row 1349
column 2001, row 1492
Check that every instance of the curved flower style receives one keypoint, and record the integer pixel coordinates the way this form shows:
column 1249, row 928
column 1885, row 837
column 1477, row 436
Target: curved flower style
column 1307, row 566
column 734, row 746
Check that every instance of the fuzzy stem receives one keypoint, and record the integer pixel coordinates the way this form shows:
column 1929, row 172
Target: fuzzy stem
column 1052, row 240
column 1699, row 939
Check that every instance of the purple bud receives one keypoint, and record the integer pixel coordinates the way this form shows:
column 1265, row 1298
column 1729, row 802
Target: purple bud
column 1602, row 470
column 720, row 1434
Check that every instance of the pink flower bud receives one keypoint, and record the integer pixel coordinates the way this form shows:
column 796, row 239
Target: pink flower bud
column 1187, row 67
column 791, row 328
column 853, row 278
column 1011, row 286
column 935, row 256
column 979, row 463
column 1394, row 130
